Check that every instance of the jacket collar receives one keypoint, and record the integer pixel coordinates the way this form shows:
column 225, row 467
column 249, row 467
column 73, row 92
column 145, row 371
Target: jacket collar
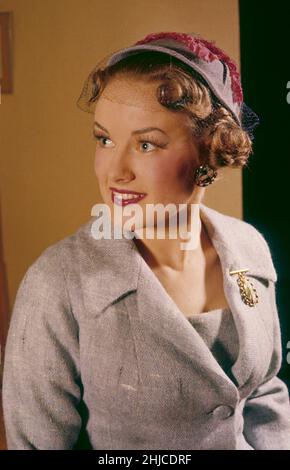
column 115, row 263
column 238, row 244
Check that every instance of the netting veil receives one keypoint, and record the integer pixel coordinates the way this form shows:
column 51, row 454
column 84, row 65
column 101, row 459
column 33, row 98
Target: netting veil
column 202, row 59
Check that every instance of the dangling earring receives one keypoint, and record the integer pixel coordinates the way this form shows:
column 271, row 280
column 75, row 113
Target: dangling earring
column 205, row 175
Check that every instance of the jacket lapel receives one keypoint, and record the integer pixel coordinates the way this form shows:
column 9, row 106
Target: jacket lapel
column 154, row 312
column 240, row 246
column 113, row 269
column 109, row 269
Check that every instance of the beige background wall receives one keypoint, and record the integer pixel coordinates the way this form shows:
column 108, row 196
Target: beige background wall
column 47, row 180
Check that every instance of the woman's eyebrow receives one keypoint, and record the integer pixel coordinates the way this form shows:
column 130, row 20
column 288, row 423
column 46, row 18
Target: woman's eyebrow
column 139, row 131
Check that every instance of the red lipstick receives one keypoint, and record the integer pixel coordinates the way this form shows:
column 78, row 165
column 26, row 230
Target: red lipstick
column 123, row 197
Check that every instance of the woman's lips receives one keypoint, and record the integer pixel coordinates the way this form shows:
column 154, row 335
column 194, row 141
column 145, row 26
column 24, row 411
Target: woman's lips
column 122, row 201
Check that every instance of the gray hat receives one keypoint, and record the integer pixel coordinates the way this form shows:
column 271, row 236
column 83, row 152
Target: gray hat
column 208, row 61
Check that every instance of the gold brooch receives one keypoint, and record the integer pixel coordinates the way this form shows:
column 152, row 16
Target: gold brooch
column 247, row 290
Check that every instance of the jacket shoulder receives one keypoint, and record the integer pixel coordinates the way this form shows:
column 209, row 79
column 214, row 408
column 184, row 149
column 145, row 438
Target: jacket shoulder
column 53, row 256
column 46, row 275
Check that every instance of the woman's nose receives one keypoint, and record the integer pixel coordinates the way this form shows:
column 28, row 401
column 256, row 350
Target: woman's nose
column 121, row 166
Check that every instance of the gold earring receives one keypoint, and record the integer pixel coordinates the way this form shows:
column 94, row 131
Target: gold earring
column 205, row 175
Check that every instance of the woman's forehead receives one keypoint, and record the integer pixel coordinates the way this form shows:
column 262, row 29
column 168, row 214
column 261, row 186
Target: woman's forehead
column 136, row 102
column 133, row 92
column 111, row 113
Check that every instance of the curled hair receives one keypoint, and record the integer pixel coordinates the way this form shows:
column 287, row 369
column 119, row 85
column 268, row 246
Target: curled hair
column 222, row 142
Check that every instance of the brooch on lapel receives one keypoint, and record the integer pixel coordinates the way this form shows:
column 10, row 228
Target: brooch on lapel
column 247, row 290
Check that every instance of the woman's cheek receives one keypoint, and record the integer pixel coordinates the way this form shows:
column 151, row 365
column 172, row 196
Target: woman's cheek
column 100, row 164
column 173, row 182
column 162, row 186
column 173, row 171
column 160, row 171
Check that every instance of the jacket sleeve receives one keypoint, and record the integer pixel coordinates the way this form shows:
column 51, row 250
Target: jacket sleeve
column 267, row 409
column 41, row 376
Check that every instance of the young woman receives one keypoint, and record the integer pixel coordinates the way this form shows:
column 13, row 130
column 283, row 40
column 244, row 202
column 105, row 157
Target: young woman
column 138, row 342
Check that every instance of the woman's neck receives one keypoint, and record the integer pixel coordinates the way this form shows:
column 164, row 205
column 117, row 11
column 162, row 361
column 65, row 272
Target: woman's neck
column 167, row 253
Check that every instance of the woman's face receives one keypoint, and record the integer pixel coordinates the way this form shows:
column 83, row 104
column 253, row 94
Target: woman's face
column 159, row 161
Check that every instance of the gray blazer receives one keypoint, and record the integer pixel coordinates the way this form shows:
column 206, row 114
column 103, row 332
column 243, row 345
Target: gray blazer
column 99, row 356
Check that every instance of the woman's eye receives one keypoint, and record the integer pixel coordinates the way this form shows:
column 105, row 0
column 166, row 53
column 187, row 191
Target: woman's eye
column 101, row 139
column 145, row 144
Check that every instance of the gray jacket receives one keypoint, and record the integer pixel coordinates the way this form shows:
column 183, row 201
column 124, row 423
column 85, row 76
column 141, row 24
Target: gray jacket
column 98, row 355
